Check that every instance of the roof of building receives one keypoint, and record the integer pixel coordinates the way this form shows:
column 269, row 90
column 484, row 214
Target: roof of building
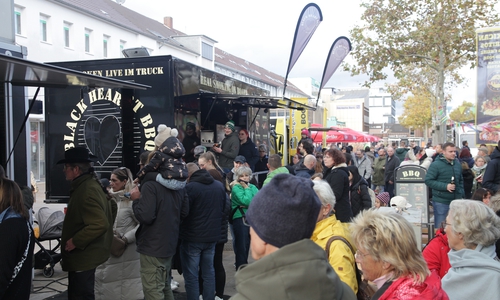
column 112, row 12
column 352, row 94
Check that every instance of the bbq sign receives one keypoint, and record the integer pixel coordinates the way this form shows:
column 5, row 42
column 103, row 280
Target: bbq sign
column 95, row 119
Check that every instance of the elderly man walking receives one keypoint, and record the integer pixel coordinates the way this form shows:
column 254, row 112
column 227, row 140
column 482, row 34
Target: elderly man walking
column 88, row 224
column 364, row 165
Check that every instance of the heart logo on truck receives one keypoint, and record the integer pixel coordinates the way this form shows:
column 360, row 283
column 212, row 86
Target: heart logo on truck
column 102, row 136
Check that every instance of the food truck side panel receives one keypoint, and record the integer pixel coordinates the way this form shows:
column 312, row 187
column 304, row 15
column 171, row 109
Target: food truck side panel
column 115, row 124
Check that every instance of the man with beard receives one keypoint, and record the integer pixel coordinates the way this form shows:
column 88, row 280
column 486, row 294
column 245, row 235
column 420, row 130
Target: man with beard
column 229, row 148
column 190, row 141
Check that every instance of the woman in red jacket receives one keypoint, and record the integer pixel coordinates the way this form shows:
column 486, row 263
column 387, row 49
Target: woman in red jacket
column 436, row 253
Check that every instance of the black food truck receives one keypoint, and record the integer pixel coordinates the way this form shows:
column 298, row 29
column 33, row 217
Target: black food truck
column 117, row 125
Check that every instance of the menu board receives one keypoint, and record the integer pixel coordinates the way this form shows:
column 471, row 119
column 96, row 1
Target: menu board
column 410, row 183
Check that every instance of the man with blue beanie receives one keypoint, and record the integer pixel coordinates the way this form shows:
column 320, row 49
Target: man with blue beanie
column 282, row 217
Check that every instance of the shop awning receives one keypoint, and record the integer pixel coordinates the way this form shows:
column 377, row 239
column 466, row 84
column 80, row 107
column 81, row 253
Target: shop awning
column 23, row 72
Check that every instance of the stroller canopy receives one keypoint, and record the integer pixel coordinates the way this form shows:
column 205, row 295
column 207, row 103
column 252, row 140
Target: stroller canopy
column 50, row 223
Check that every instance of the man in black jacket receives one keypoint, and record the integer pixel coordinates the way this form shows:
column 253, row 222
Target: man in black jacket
column 491, row 177
column 200, row 231
column 159, row 211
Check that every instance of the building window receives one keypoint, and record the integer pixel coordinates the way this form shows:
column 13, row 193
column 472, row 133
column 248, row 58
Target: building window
column 105, row 46
column 17, row 18
column 88, row 32
column 122, row 46
column 66, row 31
column 43, row 28
column 207, row 51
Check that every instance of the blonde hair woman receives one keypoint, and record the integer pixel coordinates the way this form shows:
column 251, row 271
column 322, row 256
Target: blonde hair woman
column 388, row 256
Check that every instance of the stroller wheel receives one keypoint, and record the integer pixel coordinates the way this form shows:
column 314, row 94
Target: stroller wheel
column 48, row 272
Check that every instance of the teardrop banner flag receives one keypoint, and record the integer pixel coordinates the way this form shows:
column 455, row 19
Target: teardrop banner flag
column 309, row 20
column 339, row 50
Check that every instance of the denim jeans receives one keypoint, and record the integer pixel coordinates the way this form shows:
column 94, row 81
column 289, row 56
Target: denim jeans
column 194, row 256
column 241, row 242
column 440, row 212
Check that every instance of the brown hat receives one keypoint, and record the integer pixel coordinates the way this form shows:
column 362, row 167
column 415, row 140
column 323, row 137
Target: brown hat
column 77, row 155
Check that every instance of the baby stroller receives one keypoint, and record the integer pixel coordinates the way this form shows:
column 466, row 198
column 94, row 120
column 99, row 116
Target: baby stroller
column 50, row 228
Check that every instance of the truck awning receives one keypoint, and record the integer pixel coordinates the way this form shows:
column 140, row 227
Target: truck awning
column 255, row 101
column 23, row 72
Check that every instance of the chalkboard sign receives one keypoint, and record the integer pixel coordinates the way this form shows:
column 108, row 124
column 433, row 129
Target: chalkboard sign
column 409, row 182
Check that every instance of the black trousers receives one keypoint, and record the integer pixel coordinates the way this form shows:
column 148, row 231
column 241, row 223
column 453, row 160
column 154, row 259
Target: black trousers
column 81, row 285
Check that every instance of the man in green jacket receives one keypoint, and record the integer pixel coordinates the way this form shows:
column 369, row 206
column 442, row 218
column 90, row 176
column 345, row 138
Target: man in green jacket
column 289, row 265
column 444, row 177
column 229, row 147
column 378, row 181
column 275, row 168
column 88, row 225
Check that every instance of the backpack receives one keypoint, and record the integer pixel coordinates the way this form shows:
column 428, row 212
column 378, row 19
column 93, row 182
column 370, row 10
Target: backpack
column 365, row 291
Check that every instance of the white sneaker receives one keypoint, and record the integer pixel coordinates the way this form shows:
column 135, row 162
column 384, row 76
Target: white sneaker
column 173, row 287
column 175, row 283
column 218, row 298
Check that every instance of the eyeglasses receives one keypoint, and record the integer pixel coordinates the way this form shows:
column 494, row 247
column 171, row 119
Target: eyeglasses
column 360, row 256
column 66, row 167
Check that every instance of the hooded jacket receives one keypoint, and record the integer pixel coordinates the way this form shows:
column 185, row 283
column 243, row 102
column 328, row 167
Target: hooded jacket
column 436, row 254
column 159, row 211
column 360, row 198
column 249, row 151
column 296, row 271
column 401, row 153
column 439, row 176
column 340, row 257
column 491, row 177
column 273, row 173
column 473, row 273
column 168, row 161
column 364, row 166
column 338, row 179
column 207, row 199
column 119, row 277
column 405, row 288
column 230, row 146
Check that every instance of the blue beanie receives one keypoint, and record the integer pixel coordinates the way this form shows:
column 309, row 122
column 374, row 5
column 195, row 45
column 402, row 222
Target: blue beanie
column 285, row 210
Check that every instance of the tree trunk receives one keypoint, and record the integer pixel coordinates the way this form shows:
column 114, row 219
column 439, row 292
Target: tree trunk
column 440, row 127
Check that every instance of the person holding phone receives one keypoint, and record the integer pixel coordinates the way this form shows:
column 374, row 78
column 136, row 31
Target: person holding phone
column 242, row 193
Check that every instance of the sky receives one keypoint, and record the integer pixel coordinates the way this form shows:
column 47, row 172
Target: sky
column 261, row 31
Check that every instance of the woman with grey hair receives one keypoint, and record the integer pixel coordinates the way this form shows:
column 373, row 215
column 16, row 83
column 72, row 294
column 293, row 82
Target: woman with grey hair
column 472, row 229
column 389, row 257
column 242, row 193
column 333, row 236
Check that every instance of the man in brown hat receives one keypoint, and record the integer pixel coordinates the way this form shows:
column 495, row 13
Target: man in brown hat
column 88, row 224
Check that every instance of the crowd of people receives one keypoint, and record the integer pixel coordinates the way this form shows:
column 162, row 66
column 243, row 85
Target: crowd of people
column 314, row 227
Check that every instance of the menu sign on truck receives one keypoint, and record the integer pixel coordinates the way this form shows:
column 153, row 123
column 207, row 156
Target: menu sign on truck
column 488, row 86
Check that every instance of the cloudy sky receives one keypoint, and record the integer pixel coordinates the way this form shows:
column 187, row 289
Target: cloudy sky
column 261, row 31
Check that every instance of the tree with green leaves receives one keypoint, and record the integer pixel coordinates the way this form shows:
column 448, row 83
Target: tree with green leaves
column 465, row 112
column 423, row 42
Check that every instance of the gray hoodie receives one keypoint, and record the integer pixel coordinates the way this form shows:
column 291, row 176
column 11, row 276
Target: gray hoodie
column 473, row 274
